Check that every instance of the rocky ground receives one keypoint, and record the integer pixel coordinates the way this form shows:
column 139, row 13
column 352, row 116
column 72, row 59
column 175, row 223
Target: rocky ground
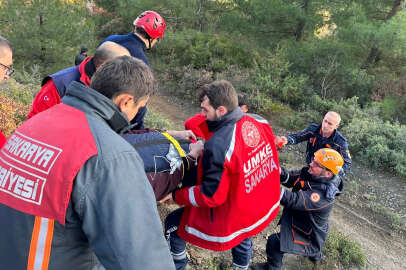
column 361, row 213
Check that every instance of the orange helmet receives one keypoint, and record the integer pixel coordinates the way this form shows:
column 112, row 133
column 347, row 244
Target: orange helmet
column 330, row 159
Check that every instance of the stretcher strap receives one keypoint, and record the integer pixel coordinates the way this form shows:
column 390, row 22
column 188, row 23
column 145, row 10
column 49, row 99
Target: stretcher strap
column 175, row 143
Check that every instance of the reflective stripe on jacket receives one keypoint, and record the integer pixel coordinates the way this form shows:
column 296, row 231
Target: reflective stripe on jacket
column 238, row 184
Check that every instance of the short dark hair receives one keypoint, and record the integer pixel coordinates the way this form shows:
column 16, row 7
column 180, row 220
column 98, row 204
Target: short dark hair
column 4, row 43
column 124, row 74
column 220, row 93
column 83, row 49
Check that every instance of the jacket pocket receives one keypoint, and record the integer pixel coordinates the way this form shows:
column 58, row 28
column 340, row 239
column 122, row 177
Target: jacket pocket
column 301, row 232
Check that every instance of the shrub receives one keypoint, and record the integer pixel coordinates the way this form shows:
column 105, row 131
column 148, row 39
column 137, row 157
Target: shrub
column 271, row 75
column 332, row 70
column 344, row 250
column 157, row 121
column 395, row 220
column 31, row 77
column 12, row 114
column 300, row 120
column 191, row 80
column 202, row 51
column 347, row 108
column 377, row 143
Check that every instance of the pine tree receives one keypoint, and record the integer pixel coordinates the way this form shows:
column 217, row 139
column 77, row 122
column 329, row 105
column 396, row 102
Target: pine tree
column 48, row 33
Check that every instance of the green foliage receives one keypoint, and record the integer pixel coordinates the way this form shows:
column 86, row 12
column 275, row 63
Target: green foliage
column 185, row 81
column 359, row 28
column 347, row 108
column 156, row 120
column 272, row 79
column 209, row 51
column 31, row 77
column 20, row 93
column 48, row 33
column 300, row 120
column 314, row 109
column 395, row 219
column 341, row 248
column 331, row 68
column 392, row 96
column 377, row 143
column 389, row 107
column 351, row 186
column 266, row 21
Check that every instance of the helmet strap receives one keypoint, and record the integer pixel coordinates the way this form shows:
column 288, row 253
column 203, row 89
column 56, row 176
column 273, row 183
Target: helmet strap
column 149, row 43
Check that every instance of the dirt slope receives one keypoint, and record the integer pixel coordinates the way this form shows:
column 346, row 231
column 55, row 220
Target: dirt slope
column 384, row 248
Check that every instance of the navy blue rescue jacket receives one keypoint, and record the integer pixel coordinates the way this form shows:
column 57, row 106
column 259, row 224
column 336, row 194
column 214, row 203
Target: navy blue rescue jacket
column 304, row 221
column 132, row 43
column 63, row 78
column 315, row 141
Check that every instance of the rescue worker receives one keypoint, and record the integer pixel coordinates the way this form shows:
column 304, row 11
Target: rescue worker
column 149, row 27
column 54, row 86
column 306, row 209
column 321, row 136
column 81, row 56
column 6, row 62
column 237, row 191
column 75, row 194
column 198, row 125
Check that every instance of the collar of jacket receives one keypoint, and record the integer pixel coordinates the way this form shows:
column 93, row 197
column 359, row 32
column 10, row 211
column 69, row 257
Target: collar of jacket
column 90, row 101
column 332, row 186
column 144, row 47
column 229, row 118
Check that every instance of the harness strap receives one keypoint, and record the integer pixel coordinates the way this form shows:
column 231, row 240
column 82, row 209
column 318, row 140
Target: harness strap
column 175, row 143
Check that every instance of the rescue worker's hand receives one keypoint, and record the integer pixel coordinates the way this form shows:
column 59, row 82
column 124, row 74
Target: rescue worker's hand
column 280, row 141
column 168, row 199
column 196, row 149
column 184, row 134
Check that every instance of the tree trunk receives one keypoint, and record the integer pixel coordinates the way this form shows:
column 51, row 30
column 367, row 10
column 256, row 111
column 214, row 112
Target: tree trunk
column 302, row 22
column 371, row 58
column 41, row 33
column 395, row 9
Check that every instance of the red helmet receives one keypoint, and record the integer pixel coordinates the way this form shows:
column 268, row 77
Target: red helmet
column 152, row 23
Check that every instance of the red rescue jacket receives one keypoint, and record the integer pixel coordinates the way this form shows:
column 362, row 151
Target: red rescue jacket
column 49, row 96
column 237, row 194
column 198, row 125
column 37, row 168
